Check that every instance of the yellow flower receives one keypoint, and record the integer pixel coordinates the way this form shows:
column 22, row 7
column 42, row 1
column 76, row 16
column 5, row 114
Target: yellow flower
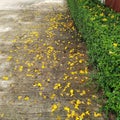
column 80, row 61
column 86, row 70
column 57, row 86
column 39, row 85
column 26, row 98
column 58, row 118
column 82, row 71
column 78, row 102
column 72, row 50
column 29, row 75
column 73, row 114
column 115, row 44
column 19, row 97
column 40, row 93
column 14, row 40
column 71, row 92
column 88, row 102
column 83, row 93
column 2, row 115
column 30, row 64
column 102, row 14
column 94, row 96
column 112, row 16
column 67, row 109
column 44, row 97
column 9, row 58
column 52, row 96
column 43, row 66
column 87, row 113
column 97, row 114
column 82, row 115
column 73, row 73
column 110, row 52
column 5, row 78
column 21, row 68
column 54, row 107
column 104, row 19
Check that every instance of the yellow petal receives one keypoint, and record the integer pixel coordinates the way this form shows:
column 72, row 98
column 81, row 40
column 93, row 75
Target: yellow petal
column 97, row 114
column 26, row 98
column 71, row 92
column 54, row 107
column 67, row 109
column 5, row 78
column 19, row 97
column 39, row 85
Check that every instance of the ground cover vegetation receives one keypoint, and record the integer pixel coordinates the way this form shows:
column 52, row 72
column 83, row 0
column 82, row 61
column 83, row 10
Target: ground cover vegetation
column 100, row 28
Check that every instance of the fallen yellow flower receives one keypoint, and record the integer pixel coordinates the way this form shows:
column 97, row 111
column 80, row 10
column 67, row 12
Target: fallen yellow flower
column 39, row 85
column 9, row 58
column 67, row 109
column 71, row 92
column 97, row 114
column 21, row 68
column 83, row 93
column 19, row 97
column 57, row 86
column 5, row 78
column 26, row 98
column 54, row 107
column 52, row 96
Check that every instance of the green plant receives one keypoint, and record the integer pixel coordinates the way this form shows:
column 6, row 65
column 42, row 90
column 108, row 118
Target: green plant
column 100, row 28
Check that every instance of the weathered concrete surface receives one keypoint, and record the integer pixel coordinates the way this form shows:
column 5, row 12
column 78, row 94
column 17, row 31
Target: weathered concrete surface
column 43, row 65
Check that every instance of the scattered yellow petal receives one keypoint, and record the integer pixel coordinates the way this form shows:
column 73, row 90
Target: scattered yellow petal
column 67, row 109
column 74, row 73
column 78, row 102
column 94, row 96
column 5, row 78
column 97, row 114
column 88, row 102
column 2, row 115
column 82, row 115
column 83, row 93
column 21, row 68
column 71, row 92
column 52, row 96
column 44, row 97
column 29, row 75
column 26, row 98
column 40, row 93
column 54, row 107
column 57, row 86
column 87, row 113
column 9, row 58
column 82, row 71
column 14, row 41
column 39, row 84
column 58, row 118
column 73, row 114
column 19, row 97
column 80, row 61
column 43, row 65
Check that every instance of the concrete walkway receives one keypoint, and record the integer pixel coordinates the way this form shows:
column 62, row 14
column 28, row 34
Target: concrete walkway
column 43, row 66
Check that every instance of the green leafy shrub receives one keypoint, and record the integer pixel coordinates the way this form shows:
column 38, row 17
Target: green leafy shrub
column 100, row 28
